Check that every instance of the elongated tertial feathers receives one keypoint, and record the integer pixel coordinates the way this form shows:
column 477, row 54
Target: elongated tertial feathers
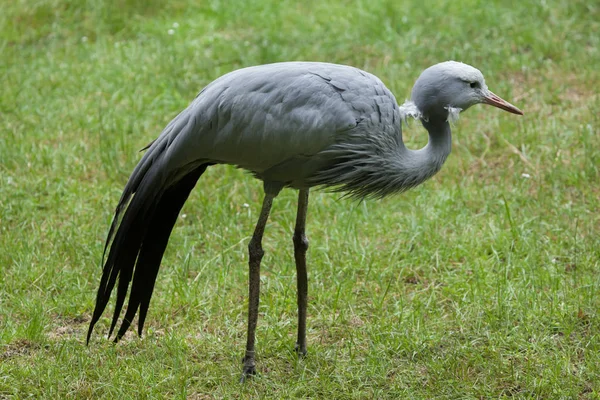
column 151, row 251
column 138, row 238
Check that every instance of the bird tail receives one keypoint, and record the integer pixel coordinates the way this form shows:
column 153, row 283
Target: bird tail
column 138, row 236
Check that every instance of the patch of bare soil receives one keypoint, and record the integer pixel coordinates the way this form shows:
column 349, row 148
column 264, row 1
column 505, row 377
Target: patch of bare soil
column 21, row 347
column 69, row 328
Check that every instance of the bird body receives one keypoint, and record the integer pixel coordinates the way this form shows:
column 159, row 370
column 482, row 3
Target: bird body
column 294, row 124
column 279, row 120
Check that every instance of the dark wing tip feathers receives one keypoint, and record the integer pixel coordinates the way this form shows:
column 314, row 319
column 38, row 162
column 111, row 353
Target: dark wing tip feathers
column 138, row 244
column 146, row 147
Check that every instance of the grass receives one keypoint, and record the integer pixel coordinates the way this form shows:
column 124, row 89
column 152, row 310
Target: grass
column 482, row 283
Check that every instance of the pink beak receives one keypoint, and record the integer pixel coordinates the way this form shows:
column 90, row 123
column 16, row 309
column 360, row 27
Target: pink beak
column 496, row 101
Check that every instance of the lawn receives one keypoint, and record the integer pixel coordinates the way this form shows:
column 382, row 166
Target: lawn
column 482, row 283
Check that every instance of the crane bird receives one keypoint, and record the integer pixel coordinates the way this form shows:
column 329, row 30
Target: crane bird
column 294, row 124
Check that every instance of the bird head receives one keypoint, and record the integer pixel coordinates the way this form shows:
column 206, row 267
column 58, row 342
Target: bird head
column 453, row 85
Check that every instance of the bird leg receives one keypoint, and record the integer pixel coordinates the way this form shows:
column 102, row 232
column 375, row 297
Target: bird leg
column 256, row 253
column 300, row 247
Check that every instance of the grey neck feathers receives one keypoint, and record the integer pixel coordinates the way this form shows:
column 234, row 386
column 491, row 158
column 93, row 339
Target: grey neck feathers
column 384, row 167
column 420, row 165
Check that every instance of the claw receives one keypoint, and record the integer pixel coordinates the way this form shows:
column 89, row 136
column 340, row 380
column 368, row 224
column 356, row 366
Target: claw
column 301, row 352
column 249, row 372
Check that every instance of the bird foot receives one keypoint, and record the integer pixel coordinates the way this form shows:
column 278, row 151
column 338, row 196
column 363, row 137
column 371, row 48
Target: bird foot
column 249, row 368
column 248, row 372
column 301, row 350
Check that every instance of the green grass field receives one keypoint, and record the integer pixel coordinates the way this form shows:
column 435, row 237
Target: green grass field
column 482, row 283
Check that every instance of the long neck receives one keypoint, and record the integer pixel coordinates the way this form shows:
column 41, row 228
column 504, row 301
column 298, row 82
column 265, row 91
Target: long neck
column 428, row 160
column 413, row 167
column 382, row 167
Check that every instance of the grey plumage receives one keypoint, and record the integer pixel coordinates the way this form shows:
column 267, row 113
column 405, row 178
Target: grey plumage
column 297, row 125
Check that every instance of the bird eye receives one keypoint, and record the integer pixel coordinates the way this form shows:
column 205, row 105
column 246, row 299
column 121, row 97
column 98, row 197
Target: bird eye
column 474, row 85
